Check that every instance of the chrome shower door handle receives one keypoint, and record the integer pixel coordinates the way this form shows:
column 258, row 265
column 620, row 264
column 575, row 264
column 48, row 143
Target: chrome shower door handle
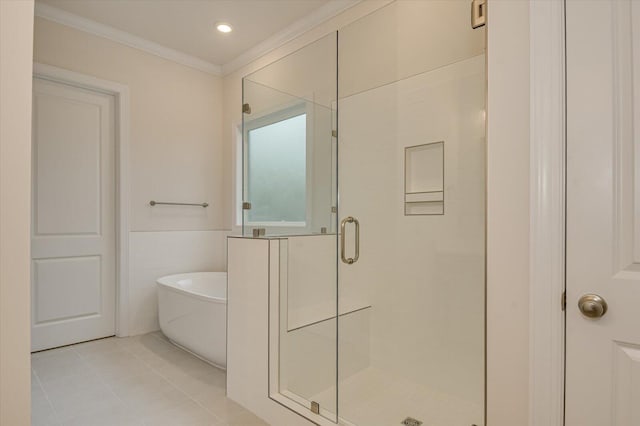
column 343, row 225
column 357, row 245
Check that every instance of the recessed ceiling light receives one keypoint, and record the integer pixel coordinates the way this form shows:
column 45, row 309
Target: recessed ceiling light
column 224, row 28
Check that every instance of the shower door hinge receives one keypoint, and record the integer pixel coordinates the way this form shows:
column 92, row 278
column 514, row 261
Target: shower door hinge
column 315, row 407
column 246, row 205
column 334, row 133
column 246, row 108
column 478, row 13
column 563, row 301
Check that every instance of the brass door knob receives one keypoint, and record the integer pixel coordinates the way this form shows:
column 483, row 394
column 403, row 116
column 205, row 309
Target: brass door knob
column 592, row 306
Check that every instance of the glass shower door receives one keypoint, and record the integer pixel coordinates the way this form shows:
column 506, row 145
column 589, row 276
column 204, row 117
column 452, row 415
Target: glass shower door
column 412, row 209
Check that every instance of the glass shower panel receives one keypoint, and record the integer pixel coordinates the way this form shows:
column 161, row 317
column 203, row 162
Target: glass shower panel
column 307, row 344
column 412, row 204
column 289, row 145
column 290, row 197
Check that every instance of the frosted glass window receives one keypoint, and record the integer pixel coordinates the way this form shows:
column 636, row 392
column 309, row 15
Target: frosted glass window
column 276, row 171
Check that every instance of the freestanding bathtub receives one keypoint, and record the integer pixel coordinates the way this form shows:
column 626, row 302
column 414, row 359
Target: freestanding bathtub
column 192, row 310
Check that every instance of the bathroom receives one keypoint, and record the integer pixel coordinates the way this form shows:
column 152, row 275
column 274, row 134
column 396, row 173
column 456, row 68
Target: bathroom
column 179, row 150
column 297, row 212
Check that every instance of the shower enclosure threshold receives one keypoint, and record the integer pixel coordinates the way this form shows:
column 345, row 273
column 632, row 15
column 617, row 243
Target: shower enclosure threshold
column 373, row 397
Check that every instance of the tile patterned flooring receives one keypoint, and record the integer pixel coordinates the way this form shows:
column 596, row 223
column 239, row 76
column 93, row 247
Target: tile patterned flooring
column 142, row 381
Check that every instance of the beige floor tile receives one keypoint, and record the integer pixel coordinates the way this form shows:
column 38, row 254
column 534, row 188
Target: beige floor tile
column 187, row 414
column 55, row 361
column 194, row 384
column 42, row 412
column 105, row 415
column 73, row 383
column 68, row 406
column 234, row 414
column 138, row 381
column 209, row 398
column 159, row 335
column 52, row 373
column 51, row 352
column 100, row 346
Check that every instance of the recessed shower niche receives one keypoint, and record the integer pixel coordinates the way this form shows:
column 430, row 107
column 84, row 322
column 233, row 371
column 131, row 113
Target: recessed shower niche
column 424, row 179
column 374, row 318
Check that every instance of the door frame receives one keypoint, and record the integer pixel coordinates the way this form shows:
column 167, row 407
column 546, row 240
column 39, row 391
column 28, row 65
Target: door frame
column 547, row 213
column 120, row 92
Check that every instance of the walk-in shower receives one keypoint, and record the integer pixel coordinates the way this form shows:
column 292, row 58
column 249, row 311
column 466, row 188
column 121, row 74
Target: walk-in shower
column 364, row 163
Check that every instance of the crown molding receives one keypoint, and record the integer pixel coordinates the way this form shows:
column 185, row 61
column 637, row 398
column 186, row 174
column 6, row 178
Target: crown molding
column 87, row 25
column 301, row 26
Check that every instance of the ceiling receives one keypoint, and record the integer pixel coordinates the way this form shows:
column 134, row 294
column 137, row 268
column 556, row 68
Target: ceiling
column 188, row 26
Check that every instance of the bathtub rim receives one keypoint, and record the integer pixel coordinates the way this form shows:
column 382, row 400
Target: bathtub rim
column 176, row 289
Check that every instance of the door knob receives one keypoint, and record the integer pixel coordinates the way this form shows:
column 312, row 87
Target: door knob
column 592, row 306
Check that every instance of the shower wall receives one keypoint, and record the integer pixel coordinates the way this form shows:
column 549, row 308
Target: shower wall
column 405, row 38
column 422, row 275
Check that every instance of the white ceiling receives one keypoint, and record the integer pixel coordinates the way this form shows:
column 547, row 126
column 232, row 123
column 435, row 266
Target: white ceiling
column 188, row 26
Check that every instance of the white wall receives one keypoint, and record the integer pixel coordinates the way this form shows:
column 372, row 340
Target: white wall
column 16, row 42
column 508, row 213
column 175, row 155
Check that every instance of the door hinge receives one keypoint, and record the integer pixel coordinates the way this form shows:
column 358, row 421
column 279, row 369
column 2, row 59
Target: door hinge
column 478, row 13
column 315, row 407
column 246, row 108
column 259, row 232
column 246, row 205
column 563, row 300
column 334, row 133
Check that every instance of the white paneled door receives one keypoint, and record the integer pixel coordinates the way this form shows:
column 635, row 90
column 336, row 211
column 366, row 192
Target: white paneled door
column 603, row 213
column 73, row 228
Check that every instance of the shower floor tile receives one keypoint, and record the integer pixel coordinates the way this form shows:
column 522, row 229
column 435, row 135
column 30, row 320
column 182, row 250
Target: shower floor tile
column 139, row 381
column 373, row 397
